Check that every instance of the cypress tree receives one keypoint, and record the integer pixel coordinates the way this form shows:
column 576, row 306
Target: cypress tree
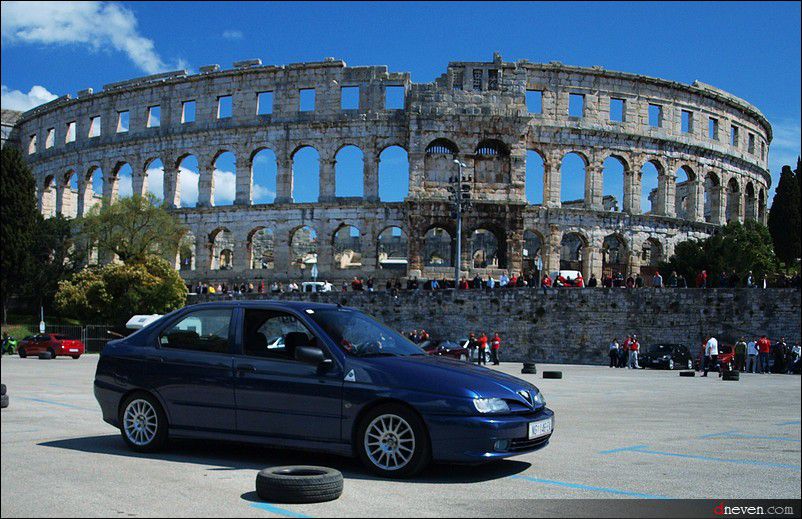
column 785, row 218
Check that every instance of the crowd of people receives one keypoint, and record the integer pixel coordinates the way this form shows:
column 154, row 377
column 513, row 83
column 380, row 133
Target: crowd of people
column 761, row 356
column 625, row 355
column 478, row 345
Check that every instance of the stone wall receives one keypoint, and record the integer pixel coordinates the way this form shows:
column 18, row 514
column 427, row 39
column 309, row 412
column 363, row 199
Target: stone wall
column 576, row 326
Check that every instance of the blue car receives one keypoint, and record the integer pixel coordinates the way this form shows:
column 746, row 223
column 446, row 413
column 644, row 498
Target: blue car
column 312, row 376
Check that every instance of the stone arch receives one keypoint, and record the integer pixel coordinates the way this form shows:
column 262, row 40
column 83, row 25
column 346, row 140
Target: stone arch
column 346, row 244
column 649, row 179
column 349, row 167
column 712, row 197
column 652, row 253
column 186, row 252
column 305, row 161
column 573, row 190
column 392, row 250
column 261, row 248
column 393, row 164
column 188, row 180
column 492, row 163
column 222, row 246
column 685, row 192
column 761, row 206
column 47, row 197
column 438, row 163
column 153, row 174
column 304, row 247
column 93, row 187
column 535, row 176
column 264, row 175
column 487, row 249
column 532, row 252
column 573, row 245
column 733, row 200
column 122, row 180
column 615, row 255
column 615, row 171
column 750, row 201
column 438, row 247
column 223, row 189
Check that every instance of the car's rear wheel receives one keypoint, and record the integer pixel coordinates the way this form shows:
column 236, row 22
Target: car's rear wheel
column 670, row 363
column 393, row 441
column 52, row 353
column 690, row 364
column 22, row 353
column 75, row 357
column 143, row 423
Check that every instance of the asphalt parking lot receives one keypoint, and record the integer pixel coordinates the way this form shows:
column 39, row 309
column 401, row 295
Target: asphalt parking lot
column 618, row 434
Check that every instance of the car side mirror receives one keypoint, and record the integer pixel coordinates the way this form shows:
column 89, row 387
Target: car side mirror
column 309, row 354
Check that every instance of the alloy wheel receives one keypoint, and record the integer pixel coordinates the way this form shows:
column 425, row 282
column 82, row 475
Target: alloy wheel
column 140, row 422
column 389, row 442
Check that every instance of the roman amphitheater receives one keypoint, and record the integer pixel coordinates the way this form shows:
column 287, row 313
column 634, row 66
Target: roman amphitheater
column 708, row 150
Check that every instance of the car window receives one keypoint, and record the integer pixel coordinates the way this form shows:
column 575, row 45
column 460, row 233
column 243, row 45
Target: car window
column 273, row 334
column 60, row 337
column 203, row 330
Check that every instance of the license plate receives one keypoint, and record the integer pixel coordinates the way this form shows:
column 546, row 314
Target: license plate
column 655, row 362
column 73, row 350
column 538, row 429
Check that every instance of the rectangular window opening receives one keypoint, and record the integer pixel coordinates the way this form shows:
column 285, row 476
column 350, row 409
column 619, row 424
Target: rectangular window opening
column 762, row 151
column 188, row 112
column 687, row 121
column 32, row 145
column 576, row 105
column 94, row 126
column 123, row 119
column 307, row 100
column 712, row 128
column 394, row 97
column 51, row 138
column 534, row 101
column 751, row 144
column 224, row 107
column 349, row 98
column 734, row 136
column 617, row 110
column 655, row 116
column 264, row 103
column 493, row 76
column 70, row 136
column 154, row 116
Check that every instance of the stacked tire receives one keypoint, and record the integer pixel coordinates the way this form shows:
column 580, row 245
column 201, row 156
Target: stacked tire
column 553, row 374
column 299, row 484
column 3, row 397
column 731, row 375
column 45, row 355
column 529, row 368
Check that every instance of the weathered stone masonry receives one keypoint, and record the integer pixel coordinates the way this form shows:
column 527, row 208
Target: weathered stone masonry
column 576, row 326
column 476, row 112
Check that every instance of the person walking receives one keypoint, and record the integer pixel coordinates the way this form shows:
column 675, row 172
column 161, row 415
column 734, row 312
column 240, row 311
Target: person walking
column 780, row 351
column 740, row 354
column 711, row 354
column 763, row 348
column 495, row 348
column 622, row 353
column 482, row 357
column 472, row 344
column 657, row 280
column 751, row 356
column 634, row 346
column 613, row 352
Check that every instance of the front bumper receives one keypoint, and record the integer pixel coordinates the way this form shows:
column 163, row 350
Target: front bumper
column 472, row 439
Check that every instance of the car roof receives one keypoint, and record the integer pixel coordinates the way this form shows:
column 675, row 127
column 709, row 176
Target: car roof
column 259, row 303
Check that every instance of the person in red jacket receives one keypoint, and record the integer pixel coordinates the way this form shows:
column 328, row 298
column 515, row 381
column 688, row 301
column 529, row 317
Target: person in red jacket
column 763, row 348
column 495, row 346
column 482, row 357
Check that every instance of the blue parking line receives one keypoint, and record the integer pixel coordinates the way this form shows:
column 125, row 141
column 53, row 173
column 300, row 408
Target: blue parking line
column 643, row 450
column 623, row 449
column 579, row 486
column 792, row 422
column 277, row 510
column 733, row 434
column 716, row 435
column 53, row 402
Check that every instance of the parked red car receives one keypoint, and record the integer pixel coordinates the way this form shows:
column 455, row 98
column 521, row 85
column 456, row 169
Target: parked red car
column 55, row 343
column 726, row 357
column 445, row 349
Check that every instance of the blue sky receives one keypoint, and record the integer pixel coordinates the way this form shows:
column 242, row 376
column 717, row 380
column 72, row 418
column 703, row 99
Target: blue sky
column 749, row 49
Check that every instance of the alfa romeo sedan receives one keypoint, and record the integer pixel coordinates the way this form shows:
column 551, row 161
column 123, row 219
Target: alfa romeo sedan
column 316, row 377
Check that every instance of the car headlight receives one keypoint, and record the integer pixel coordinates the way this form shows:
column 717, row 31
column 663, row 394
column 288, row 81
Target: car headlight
column 491, row 405
column 537, row 398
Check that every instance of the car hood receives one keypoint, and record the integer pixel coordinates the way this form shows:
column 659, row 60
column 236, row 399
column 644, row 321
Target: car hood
column 439, row 375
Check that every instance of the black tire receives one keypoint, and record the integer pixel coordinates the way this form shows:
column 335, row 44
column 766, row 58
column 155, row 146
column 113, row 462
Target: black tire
column 22, row 353
column 422, row 454
column 76, row 357
column 3, row 401
column 731, row 375
column 552, row 374
column 687, row 373
column 3, row 390
column 529, row 371
column 52, row 353
column 45, row 355
column 299, row 484
column 160, row 439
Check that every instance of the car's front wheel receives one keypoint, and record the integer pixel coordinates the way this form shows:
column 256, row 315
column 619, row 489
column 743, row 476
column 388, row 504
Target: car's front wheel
column 22, row 353
column 393, row 441
column 143, row 423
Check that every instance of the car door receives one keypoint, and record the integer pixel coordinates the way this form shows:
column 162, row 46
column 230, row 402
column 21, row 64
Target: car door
column 191, row 368
column 277, row 395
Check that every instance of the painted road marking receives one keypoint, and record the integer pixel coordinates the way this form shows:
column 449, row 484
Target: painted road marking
column 580, row 486
column 733, row 434
column 277, row 510
column 792, row 422
column 53, row 402
column 643, row 450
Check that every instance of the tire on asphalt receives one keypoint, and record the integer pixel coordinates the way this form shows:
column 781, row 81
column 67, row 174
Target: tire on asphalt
column 529, row 368
column 160, row 439
column 22, row 353
column 422, row 453
column 687, row 373
column 552, row 374
column 2, row 389
column 3, row 401
column 45, row 355
column 731, row 375
column 299, row 484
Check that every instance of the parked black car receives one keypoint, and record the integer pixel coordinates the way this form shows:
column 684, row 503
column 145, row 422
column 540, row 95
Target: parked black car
column 666, row 356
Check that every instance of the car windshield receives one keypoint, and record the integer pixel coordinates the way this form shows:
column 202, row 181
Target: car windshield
column 361, row 336
column 660, row 348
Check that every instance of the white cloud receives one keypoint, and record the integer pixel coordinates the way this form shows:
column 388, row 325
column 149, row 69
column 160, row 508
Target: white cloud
column 97, row 25
column 232, row 35
column 262, row 193
column 156, row 182
column 189, row 187
column 16, row 100
column 225, row 186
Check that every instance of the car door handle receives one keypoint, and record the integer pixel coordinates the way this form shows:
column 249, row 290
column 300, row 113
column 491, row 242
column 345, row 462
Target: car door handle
column 245, row 367
column 154, row 358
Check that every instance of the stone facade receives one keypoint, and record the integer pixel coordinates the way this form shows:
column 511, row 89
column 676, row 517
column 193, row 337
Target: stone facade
column 476, row 112
column 577, row 325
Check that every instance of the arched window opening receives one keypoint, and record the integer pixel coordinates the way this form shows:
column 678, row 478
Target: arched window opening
column 613, row 177
column 154, row 179
column 437, row 248
column 260, row 245
column 347, row 248
column 392, row 250
column 393, row 174
column 571, row 253
column 535, row 171
column 264, row 169
column 438, row 163
column 614, row 256
column 303, row 248
column 222, row 249
column 572, row 180
column 349, row 172
column 225, row 179
column 188, row 181
column 306, row 175
column 649, row 182
column 532, row 257
column 186, row 252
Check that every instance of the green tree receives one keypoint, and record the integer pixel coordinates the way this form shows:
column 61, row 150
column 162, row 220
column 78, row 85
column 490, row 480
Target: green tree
column 785, row 219
column 133, row 229
column 19, row 216
column 114, row 292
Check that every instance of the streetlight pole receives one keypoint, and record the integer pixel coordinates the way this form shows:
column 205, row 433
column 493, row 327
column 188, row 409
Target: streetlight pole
column 458, row 197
